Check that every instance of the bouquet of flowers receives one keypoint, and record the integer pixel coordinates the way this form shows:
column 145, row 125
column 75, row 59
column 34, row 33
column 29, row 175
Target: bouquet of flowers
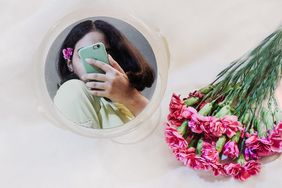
column 228, row 126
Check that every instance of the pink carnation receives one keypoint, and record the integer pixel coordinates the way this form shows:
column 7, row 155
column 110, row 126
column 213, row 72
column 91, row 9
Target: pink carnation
column 199, row 123
column 217, row 169
column 276, row 138
column 189, row 158
column 183, row 154
column 257, row 147
column 217, row 128
column 231, row 150
column 187, row 112
column 210, row 153
column 206, row 124
column 175, row 103
column 232, row 169
column 250, row 168
column 174, row 139
column 232, row 125
column 195, row 123
column 175, row 107
column 197, row 163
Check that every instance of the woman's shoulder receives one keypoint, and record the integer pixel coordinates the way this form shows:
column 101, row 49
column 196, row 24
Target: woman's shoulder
column 119, row 106
column 124, row 109
column 67, row 78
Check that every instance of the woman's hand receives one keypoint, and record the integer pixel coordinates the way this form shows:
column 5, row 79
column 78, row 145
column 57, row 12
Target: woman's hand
column 115, row 85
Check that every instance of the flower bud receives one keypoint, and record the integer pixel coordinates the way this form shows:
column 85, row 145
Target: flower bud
column 261, row 128
column 236, row 137
column 278, row 116
column 225, row 110
column 267, row 118
column 241, row 159
column 191, row 101
column 246, row 118
column 220, row 143
column 206, row 109
column 206, row 90
column 199, row 146
column 192, row 142
column 182, row 129
column 251, row 131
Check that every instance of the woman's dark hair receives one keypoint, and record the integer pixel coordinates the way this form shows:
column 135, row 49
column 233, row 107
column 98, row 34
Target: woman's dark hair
column 139, row 73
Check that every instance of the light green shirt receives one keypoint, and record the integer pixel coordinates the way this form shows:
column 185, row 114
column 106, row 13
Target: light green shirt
column 76, row 103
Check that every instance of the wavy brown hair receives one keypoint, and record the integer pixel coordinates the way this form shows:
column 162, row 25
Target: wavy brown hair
column 138, row 70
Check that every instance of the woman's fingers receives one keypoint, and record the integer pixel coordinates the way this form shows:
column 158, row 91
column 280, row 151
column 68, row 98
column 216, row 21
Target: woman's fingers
column 96, row 85
column 115, row 65
column 104, row 66
column 94, row 76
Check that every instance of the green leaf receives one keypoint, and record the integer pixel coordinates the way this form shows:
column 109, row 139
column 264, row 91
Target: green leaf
column 220, row 143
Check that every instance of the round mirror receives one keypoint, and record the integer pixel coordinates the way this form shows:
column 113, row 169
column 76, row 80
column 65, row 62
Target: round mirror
column 102, row 76
column 110, row 89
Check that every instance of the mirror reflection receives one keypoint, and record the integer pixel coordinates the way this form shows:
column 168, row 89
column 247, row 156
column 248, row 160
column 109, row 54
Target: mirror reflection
column 100, row 72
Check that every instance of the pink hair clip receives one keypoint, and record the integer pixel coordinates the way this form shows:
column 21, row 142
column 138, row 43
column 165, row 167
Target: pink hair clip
column 67, row 52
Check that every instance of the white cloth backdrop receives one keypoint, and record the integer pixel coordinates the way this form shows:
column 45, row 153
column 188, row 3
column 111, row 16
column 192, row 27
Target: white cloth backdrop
column 204, row 36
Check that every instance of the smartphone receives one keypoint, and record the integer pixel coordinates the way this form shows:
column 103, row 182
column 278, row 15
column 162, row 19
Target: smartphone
column 95, row 51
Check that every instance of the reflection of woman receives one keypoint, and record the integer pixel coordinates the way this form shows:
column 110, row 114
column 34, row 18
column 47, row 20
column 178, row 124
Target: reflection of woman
column 101, row 100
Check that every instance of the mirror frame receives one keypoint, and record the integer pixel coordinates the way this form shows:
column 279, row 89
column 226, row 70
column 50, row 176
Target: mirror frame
column 155, row 40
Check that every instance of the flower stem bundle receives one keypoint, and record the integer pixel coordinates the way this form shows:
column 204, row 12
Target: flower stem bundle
column 229, row 125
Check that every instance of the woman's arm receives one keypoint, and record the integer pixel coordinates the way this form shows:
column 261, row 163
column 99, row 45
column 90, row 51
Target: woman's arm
column 115, row 85
column 136, row 103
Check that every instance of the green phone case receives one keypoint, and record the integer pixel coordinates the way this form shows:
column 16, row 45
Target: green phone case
column 95, row 51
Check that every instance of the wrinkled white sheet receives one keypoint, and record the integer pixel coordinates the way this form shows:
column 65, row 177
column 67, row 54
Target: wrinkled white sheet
column 203, row 36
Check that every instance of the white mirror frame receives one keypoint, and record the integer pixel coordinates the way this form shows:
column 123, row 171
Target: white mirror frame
column 147, row 120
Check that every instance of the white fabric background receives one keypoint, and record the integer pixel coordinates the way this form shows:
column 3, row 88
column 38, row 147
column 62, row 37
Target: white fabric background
column 204, row 36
